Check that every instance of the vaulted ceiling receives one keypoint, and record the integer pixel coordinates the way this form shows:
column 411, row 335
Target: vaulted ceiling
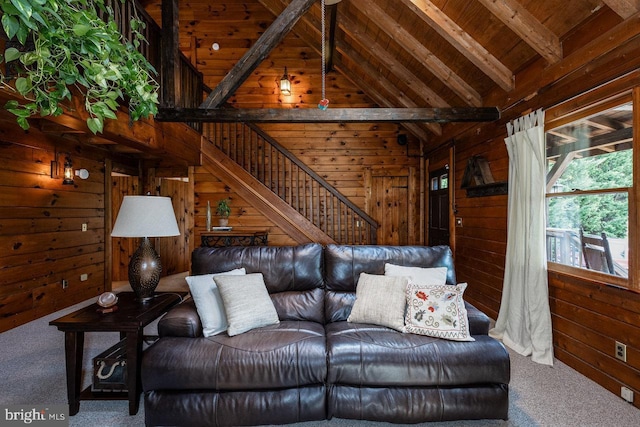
column 391, row 53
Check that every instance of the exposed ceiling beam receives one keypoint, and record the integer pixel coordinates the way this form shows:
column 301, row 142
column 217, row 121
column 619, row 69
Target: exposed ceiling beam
column 312, row 27
column 392, row 99
column 617, row 137
column 527, row 27
column 332, row 115
column 333, row 24
column 276, row 32
column 463, row 42
column 624, row 8
column 428, row 95
column 434, row 64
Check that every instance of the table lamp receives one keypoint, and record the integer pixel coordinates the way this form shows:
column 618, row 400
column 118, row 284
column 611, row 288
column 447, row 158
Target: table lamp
column 145, row 216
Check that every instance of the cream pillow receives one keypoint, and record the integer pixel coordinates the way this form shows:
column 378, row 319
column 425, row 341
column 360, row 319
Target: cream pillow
column 437, row 311
column 208, row 302
column 420, row 275
column 380, row 300
column 247, row 303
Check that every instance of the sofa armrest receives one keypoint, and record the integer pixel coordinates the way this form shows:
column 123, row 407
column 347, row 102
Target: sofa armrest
column 181, row 321
column 479, row 323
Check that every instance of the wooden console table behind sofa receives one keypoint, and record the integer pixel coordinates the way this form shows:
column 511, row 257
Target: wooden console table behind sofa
column 235, row 237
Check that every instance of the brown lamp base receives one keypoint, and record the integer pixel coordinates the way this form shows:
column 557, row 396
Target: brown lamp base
column 144, row 270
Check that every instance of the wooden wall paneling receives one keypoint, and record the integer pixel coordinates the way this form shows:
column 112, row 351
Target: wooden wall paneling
column 41, row 237
column 174, row 251
column 123, row 247
column 588, row 318
column 480, row 244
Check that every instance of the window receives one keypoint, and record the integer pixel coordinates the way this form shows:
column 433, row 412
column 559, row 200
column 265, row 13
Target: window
column 440, row 182
column 589, row 188
column 444, row 181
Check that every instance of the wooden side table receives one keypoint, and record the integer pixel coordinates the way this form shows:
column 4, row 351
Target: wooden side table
column 129, row 319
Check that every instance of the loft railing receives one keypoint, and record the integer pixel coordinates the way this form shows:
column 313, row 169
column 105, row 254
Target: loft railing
column 123, row 12
column 191, row 80
column 285, row 175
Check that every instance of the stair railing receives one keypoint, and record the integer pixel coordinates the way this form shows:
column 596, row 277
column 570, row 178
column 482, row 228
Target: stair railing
column 293, row 181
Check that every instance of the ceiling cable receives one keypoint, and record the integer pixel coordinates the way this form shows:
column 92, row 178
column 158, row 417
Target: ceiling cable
column 324, row 103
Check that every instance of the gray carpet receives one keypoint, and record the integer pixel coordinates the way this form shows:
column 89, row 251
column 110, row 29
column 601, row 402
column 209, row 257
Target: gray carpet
column 32, row 372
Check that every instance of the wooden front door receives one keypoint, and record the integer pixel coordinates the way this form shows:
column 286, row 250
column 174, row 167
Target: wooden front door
column 439, row 207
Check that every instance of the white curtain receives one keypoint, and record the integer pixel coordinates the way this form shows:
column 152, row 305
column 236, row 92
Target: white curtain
column 524, row 320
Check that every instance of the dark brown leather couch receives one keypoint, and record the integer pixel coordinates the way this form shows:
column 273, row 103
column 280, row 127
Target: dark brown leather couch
column 315, row 365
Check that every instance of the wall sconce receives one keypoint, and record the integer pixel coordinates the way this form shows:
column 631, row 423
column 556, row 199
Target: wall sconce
column 68, row 172
column 285, row 84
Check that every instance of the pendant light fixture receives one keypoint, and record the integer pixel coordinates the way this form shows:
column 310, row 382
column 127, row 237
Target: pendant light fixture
column 285, row 83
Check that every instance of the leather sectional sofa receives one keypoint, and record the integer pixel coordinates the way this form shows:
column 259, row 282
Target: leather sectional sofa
column 314, row 364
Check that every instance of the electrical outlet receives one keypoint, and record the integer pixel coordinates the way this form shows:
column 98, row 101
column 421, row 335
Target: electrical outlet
column 84, row 227
column 627, row 394
column 621, row 351
column 84, row 277
column 65, row 284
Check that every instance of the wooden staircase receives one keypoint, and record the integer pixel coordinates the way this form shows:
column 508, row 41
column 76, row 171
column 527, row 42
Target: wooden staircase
column 294, row 197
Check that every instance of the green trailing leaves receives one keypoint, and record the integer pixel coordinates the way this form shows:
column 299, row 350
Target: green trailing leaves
column 71, row 50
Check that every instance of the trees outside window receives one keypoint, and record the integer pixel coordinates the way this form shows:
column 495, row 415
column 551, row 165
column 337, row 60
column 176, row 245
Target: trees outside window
column 589, row 180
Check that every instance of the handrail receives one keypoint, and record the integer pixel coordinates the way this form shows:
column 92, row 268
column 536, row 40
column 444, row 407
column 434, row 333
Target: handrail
column 293, row 181
column 313, row 174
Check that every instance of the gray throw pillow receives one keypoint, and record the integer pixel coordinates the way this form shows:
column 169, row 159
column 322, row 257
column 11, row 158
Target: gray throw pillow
column 247, row 303
column 380, row 300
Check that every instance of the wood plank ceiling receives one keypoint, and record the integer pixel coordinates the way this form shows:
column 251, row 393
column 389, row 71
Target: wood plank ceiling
column 388, row 53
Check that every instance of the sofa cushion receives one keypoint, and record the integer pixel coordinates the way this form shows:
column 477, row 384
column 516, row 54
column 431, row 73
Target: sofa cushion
column 284, row 268
column 292, row 274
column 368, row 355
column 290, row 354
column 380, row 300
column 438, row 311
column 305, row 305
column 206, row 295
column 344, row 263
column 235, row 408
column 246, row 303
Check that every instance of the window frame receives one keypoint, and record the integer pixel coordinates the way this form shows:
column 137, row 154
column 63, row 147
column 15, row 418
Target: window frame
column 578, row 108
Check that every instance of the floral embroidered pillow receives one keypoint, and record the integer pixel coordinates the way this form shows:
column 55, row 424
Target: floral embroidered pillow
column 437, row 311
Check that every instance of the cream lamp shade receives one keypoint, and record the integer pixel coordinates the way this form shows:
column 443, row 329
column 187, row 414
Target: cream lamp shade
column 145, row 216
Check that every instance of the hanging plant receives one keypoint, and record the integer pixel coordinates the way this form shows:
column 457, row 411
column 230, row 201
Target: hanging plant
column 65, row 45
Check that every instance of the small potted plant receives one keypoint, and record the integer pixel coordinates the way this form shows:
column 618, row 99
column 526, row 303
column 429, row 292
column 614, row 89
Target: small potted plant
column 223, row 209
